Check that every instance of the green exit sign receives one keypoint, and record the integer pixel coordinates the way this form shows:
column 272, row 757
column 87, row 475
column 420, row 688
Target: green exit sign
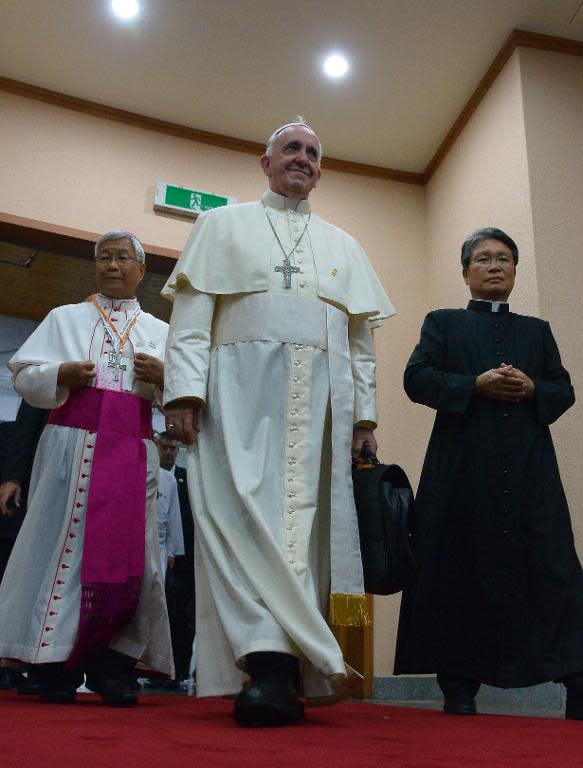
column 189, row 202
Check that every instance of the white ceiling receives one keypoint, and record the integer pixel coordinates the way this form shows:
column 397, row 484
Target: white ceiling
column 242, row 67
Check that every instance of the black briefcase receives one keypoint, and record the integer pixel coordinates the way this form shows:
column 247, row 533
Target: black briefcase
column 384, row 505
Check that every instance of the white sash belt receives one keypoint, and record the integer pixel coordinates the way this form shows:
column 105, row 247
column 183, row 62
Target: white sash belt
column 296, row 320
column 269, row 317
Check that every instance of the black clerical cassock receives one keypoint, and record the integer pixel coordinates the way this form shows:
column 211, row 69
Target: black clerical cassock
column 500, row 596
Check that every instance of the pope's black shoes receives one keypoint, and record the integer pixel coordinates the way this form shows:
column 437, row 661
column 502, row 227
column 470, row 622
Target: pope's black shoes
column 271, row 699
column 459, row 696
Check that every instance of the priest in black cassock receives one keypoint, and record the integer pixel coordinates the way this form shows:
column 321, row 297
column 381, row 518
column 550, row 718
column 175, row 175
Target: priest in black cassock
column 500, row 592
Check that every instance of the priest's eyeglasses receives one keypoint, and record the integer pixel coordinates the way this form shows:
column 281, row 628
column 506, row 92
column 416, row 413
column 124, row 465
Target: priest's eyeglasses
column 484, row 260
column 120, row 258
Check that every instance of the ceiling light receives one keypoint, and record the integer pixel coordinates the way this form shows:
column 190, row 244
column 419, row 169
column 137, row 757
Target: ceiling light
column 335, row 65
column 125, row 9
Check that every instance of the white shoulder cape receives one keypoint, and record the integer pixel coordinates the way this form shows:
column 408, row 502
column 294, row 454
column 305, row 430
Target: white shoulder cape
column 229, row 251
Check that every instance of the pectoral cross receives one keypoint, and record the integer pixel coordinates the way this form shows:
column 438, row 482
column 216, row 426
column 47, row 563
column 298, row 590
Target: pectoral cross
column 287, row 271
column 115, row 363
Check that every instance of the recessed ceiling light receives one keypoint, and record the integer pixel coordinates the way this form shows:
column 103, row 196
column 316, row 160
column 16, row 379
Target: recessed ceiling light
column 335, row 65
column 125, row 9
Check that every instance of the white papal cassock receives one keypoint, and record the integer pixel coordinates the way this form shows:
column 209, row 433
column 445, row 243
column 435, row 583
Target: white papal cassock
column 280, row 372
column 41, row 590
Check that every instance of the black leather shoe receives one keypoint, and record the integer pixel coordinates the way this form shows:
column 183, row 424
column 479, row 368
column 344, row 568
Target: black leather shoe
column 117, row 693
column 110, row 674
column 459, row 696
column 272, row 698
column 64, row 695
column 574, row 708
column 57, row 684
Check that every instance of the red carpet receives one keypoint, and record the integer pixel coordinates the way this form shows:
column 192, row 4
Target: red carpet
column 176, row 732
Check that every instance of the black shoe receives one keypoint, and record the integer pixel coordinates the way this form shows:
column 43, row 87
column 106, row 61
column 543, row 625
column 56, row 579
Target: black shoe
column 459, row 696
column 574, row 708
column 57, row 684
column 29, row 685
column 10, row 677
column 118, row 693
column 64, row 695
column 171, row 685
column 272, row 698
column 110, row 674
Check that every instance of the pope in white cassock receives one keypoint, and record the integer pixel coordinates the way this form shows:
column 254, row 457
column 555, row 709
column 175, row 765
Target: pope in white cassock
column 83, row 590
column 270, row 364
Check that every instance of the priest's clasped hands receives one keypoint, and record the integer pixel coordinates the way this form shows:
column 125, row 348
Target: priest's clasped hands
column 506, row 383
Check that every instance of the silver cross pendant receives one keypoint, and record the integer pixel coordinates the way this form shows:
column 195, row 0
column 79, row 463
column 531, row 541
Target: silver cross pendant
column 287, row 269
column 115, row 363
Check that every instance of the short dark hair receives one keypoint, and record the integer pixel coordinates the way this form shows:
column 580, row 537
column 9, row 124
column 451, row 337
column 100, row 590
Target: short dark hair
column 165, row 435
column 487, row 233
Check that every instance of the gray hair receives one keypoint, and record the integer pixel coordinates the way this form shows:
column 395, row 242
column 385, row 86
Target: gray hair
column 487, row 233
column 119, row 234
column 298, row 121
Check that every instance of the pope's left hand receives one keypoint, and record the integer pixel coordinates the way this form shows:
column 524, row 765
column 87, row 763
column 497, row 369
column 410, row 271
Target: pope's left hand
column 362, row 438
column 149, row 369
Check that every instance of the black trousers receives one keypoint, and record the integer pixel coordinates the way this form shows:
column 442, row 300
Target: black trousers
column 5, row 550
column 181, row 612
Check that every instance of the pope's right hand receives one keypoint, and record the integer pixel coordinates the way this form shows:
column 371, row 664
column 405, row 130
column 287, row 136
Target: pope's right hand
column 9, row 490
column 75, row 374
column 182, row 420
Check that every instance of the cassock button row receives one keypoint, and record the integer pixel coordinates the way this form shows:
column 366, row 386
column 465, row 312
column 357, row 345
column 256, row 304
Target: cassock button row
column 506, row 491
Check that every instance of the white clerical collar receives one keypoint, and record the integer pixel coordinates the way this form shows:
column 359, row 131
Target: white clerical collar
column 494, row 305
column 281, row 203
column 106, row 303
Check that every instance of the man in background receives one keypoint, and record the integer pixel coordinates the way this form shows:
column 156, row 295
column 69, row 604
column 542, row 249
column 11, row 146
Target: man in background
column 18, row 442
column 180, row 578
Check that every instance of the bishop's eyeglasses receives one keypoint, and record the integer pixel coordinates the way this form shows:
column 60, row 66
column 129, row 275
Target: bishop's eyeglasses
column 120, row 258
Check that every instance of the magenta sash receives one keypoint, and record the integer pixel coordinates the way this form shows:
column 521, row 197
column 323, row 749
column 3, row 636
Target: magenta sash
column 115, row 525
